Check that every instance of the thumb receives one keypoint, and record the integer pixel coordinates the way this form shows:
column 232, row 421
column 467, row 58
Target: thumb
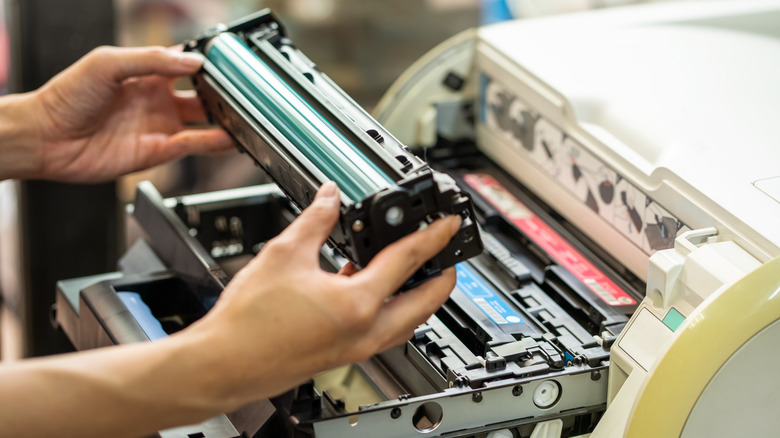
column 317, row 221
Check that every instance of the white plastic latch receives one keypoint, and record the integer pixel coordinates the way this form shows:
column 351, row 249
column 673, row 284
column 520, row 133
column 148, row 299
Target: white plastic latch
column 698, row 265
column 548, row 429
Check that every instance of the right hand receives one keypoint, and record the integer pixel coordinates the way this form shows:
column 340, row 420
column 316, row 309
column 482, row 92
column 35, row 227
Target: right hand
column 283, row 319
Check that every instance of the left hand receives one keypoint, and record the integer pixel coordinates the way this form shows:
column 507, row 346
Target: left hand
column 115, row 111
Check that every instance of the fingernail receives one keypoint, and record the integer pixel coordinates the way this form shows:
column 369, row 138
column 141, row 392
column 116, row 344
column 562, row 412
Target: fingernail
column 455, row 222
column 190, row 59
column 328, row 190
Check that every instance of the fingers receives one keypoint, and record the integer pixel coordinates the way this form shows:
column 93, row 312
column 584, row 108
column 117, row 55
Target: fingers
column 316, row 222
column 189, row 107
column 414, row 307
column 392, row 266
column 401, row 315
column 120, row 63
column 347, row 270
column 194, row 141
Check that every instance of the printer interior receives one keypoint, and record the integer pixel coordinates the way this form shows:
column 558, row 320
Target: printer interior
column 527, row 343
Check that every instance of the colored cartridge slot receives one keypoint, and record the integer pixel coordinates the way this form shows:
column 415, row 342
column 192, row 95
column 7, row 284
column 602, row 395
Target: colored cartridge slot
column 481, row 314
column 318, row 140
column 549, row 240
column 483, row 297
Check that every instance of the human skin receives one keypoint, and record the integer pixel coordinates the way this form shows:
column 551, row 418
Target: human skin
column 112, row 112
column 280, row 320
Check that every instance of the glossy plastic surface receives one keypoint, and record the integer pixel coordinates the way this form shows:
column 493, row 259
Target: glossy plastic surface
column 328, row 149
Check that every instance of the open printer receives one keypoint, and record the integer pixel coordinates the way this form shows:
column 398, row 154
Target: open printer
column 621, row 174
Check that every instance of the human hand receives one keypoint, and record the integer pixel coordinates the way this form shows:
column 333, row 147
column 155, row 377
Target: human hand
column 115, row 111
column 282, row 318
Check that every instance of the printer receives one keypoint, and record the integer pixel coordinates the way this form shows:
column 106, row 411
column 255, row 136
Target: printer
column 620, row 171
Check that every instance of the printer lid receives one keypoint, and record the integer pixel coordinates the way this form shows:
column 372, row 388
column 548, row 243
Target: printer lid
column 683, row 92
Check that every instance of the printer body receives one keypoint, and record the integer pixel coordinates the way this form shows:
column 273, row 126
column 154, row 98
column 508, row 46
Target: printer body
column 623, row 173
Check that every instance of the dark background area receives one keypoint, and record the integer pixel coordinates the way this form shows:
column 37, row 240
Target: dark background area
column 67, row 230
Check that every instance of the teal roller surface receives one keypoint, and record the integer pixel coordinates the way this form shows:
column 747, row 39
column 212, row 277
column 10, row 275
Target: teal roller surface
column 315, row 137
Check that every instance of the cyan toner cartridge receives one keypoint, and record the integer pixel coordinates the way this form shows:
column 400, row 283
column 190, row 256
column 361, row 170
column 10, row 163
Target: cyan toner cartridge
column 303, row 130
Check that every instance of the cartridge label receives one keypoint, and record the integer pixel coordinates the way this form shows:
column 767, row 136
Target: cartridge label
column 550, row 241
column 483, row 296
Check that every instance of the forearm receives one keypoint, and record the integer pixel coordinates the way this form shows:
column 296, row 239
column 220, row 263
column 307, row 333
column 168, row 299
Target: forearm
column 128, row 391
column 20, row 145
column 276, row 324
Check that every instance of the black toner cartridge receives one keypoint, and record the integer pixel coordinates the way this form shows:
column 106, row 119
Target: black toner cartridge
column 303, row 130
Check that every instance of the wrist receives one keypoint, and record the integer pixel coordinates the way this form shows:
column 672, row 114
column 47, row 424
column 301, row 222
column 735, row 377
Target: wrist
column 243, row 368
column 221, row 379
column 21, row 147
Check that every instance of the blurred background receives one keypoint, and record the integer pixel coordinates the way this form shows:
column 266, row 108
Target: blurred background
column 362, row 45
column 51, row 231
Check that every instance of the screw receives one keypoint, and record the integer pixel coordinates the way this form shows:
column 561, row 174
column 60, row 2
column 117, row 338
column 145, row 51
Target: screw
column 357, row 226
column 517, row 390
column 395, row 413
column 476, row 397
column 595, row 375
column 394, row 216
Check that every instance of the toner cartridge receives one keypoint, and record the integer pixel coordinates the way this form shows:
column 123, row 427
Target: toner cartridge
column 303, row 130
